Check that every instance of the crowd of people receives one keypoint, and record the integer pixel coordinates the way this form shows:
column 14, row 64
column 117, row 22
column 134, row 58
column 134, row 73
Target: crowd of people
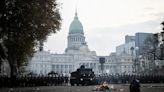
column 122, row 79
column 32, row 81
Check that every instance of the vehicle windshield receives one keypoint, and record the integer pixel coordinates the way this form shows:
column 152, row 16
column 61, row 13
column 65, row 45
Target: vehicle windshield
column 86, row 72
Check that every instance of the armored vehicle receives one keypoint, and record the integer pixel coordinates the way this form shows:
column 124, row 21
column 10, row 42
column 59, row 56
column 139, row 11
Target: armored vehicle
column 83, row 76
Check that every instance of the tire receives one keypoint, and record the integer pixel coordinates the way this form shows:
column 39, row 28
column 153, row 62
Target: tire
column 72, row 84
column 82, row 84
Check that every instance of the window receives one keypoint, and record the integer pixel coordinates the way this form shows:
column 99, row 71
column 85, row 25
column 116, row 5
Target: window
column 66, row 66
column 70, row 66
column 57, row 66
column 107, row 66
column 62, row 66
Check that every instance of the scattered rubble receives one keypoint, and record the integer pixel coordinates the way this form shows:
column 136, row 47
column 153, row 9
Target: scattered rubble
column 104, row 86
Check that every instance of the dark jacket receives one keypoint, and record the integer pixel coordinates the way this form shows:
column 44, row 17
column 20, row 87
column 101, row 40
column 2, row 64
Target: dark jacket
column 135, row 86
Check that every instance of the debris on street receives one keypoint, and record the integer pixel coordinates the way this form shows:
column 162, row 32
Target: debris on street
column 104, row 86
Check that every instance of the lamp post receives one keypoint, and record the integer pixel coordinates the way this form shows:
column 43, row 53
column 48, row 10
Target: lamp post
column 102, row 61
column 135, row 58
column 137, row 63
column 132, row 53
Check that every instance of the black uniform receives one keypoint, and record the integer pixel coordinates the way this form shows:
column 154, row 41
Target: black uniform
column 135, row 86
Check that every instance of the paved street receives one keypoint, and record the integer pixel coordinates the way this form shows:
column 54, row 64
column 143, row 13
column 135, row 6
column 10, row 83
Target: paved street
column 117, row 87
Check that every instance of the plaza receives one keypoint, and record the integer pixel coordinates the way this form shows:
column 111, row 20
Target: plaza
column 117, row 88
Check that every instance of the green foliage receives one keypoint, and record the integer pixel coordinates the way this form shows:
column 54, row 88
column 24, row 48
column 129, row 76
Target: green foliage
column 150, row 47
column 163, row 25
column 150, row 43
column 25, row 22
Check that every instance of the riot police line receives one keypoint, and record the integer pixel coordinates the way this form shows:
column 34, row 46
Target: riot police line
column 123, row 79
column 32, row 81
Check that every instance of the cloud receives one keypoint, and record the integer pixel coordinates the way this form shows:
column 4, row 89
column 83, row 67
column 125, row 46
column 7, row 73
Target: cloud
column 159, row 15
column 149, row 8
column 105, row 40
column 107, row 22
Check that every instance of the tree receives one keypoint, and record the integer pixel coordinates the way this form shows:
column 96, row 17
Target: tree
column 150, row 51
column 23, row 23
column 162, row 45
column 162, row 25
column 150, row 46
column 3, row 54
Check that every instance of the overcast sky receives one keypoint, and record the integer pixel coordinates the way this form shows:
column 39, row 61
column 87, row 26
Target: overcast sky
column 106, row 22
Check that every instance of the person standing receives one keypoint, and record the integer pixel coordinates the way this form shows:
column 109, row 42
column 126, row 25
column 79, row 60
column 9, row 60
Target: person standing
column 135, row 86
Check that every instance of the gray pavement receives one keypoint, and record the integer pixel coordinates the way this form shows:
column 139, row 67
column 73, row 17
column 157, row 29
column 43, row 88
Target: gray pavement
column 117, row 88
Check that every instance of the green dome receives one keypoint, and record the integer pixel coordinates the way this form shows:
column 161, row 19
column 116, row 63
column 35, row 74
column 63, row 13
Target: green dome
column 76, row 26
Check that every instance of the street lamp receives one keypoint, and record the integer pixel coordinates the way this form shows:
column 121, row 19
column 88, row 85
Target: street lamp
column 102, row 61
column 132, row 49
column 134, row 57
column 137, row 59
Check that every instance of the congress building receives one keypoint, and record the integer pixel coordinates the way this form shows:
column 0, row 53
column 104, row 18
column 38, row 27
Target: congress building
column 76, row 54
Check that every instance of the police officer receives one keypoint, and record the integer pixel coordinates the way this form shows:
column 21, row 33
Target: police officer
column 135, row 86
